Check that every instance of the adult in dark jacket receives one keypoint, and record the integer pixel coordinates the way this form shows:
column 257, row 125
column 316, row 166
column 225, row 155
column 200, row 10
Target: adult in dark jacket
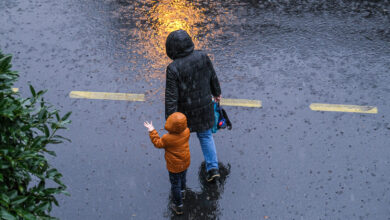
column 190, row 84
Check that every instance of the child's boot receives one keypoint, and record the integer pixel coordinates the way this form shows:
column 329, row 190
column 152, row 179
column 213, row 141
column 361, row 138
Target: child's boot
column 178, row 209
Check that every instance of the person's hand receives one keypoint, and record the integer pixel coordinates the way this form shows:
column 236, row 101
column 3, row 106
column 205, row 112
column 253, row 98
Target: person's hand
column 149, row 126
column 218, row 98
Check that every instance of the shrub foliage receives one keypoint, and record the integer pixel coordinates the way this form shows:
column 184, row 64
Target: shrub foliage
column 28, row 183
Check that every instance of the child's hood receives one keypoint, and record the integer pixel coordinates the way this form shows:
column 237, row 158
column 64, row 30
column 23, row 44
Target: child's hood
column 176, row 123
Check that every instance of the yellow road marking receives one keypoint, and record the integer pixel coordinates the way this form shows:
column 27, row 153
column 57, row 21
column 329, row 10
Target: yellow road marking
column 141, row 98
column 15, row 89
column 107, row 96
column 242, row 102
column 343, row 108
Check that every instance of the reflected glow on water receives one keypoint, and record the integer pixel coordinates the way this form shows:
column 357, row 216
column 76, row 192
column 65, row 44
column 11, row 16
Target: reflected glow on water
column 164, row 17
column 154, row 20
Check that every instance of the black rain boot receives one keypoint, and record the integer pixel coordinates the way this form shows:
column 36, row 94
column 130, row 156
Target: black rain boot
column 178, row 209
column 212, row 175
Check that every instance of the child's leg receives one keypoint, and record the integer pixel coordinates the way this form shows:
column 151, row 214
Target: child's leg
column 175, row 180
column 183, row 177
column 183, row 184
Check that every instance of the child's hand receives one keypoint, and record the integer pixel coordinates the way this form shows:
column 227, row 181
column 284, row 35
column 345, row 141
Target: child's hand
column 149, row 126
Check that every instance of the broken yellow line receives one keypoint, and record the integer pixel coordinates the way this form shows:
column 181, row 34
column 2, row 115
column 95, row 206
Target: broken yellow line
column 141, row 98
column 241, row 102
column 107, row 96
column 343, row 108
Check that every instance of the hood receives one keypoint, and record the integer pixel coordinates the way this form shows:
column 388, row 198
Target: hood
column 179, row 44
column 176, row 123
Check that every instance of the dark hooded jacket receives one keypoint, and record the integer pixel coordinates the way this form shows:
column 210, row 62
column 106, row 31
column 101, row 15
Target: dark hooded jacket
column 190, row 82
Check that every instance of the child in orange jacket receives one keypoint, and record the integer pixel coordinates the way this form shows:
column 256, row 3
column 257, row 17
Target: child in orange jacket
column 177, row 154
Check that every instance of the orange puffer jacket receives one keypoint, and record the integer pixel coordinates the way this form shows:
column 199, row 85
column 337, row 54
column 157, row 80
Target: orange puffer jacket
column 175, row 143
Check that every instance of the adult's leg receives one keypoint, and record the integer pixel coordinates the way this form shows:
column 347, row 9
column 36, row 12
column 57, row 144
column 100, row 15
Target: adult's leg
column 175, row 180
column 208, row 148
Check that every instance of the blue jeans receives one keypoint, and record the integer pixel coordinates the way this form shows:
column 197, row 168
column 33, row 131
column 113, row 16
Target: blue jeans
column 208, row 148
column 178, row 183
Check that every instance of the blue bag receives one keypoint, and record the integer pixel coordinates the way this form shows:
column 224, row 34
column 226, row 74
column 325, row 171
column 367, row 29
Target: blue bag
column 221, row 120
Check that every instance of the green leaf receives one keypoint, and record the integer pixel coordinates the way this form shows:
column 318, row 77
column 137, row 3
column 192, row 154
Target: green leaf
column 4, row 214
column 5, row 77
column 65, row 193
column 13, row 194
column 4, row 166
column 41, row 185
column 47, row 132
column 33, row 91
column 25, row 214
column 5, row 198
column 52, row 141
column 63, row 138
column 40, row 93
column 56, row 202
column 5, row 63
column 37, row 141
column 4, row 151
column 45, row 217
column 57, row 116
column 43, row 207
column 51, row 152
column 3, row 204
column 21, row 188
column 19, row 200
column 1, row 177
column 51, row 173
column 58, row 181
column 66, row 116
column 42, row 114
column 50, row 191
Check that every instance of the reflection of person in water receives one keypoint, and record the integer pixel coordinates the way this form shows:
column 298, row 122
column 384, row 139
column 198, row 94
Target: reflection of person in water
column 204, row 204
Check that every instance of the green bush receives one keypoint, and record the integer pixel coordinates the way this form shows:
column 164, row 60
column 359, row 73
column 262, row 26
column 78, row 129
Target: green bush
column 28, row 182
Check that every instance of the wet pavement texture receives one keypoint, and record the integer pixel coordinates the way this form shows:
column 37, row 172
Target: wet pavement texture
column 282, row 161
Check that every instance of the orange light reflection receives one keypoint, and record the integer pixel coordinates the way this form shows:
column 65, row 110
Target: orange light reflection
column 156, row 19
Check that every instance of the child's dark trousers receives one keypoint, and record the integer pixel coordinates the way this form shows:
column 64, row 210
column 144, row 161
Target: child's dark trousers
column 178, row 183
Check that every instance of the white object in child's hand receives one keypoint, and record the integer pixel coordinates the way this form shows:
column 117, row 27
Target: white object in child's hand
column 149, row 126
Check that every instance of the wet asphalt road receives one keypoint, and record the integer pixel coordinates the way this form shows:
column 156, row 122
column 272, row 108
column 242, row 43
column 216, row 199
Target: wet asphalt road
column 282, row 161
